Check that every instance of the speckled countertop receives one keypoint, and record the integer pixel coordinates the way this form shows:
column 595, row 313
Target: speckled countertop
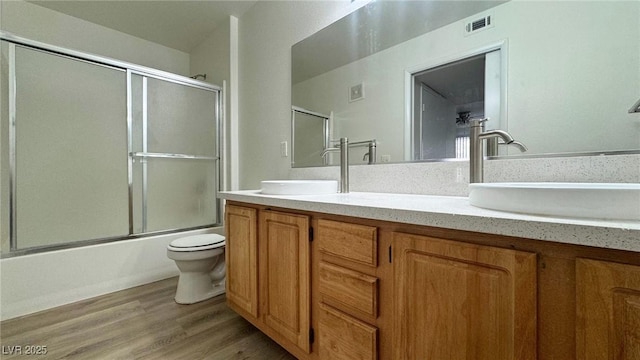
column 453, row 212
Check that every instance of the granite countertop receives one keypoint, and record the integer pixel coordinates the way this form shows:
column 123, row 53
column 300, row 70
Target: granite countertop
column 453, row 212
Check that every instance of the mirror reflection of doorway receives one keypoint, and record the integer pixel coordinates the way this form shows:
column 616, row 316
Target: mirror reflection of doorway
column 446, row 97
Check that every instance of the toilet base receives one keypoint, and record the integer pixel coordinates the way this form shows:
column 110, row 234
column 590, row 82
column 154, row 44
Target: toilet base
column 196, row 287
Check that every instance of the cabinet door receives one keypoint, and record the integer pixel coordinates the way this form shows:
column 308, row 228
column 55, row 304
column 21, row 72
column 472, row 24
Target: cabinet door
column 608, row 310
column 241, row 255
column 285, row 275
column 462, row 301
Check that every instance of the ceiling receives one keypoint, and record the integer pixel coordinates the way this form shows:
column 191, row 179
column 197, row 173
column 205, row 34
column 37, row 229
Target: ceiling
column 178, row 24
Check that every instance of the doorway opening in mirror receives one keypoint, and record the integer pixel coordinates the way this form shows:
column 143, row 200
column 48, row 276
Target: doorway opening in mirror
column 445, row 97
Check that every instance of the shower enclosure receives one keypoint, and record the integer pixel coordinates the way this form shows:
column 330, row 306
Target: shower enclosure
column 94, row 149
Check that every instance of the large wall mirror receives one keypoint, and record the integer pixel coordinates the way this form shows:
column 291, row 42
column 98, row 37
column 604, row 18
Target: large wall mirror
column 559, row 76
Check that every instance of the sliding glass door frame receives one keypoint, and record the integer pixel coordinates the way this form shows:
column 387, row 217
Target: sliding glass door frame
column 146, row 154
column 130, row 69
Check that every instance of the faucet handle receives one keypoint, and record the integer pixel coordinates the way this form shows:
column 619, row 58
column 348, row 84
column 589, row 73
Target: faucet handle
column 477, row 122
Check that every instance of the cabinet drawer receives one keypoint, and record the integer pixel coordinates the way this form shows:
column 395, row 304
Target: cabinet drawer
column 343, row 337
column 343, row 288
column 353, row 242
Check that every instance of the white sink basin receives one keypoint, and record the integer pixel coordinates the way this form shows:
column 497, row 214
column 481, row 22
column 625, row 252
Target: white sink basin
column 299, row 187
column 582, row 200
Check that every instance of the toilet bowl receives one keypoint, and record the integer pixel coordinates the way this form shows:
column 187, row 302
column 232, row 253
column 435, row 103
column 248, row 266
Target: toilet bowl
column 200, row 259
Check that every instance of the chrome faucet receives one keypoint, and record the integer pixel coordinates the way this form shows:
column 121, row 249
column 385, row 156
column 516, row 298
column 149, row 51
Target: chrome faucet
column 371, row 154
column 344, row 162
column 476, row 153
column 344, row 158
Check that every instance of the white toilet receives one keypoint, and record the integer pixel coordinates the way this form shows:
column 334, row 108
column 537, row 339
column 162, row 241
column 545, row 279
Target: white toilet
column 200, row 259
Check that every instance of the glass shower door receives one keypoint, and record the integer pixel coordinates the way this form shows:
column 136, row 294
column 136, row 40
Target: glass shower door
column 176, row 155
column 71, row 180
column 95, row 150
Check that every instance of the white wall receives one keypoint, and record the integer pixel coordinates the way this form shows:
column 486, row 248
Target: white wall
column 211, row 57
column 267, row 31
column 41, row 24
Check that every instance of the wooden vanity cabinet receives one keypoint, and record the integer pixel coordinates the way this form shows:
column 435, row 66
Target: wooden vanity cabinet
column 277, row 298
column 457, row 300
column 608, row 310
column 352, row 288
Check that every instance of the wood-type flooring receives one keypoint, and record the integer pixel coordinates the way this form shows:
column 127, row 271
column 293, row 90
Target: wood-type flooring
column 138, row 323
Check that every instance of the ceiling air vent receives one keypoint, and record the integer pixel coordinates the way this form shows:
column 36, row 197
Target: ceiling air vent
column 478, row 24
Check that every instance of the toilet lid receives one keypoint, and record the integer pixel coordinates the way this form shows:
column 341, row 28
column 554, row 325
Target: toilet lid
column 198, row 241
